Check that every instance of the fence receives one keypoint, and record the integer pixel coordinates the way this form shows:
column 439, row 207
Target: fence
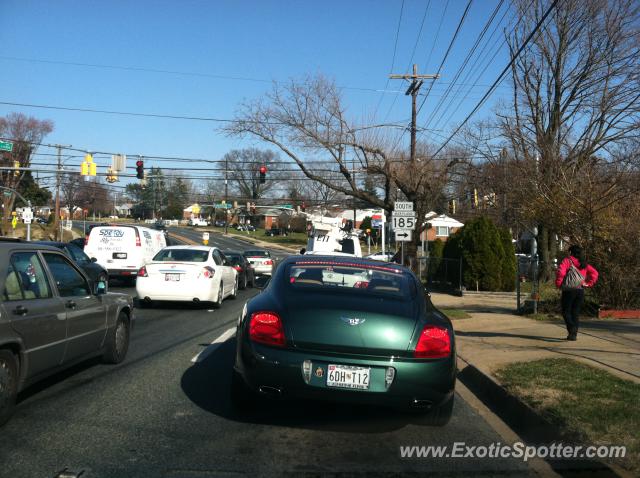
column 441, row 273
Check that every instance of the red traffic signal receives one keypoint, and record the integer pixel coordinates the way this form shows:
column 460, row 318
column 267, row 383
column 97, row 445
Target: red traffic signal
column 140, row 169
column 263, row 174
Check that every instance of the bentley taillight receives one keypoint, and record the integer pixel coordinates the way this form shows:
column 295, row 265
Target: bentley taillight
column 266, row 328
column 434, row 342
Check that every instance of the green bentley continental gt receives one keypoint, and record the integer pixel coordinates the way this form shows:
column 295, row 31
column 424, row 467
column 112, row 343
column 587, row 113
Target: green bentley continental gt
column 346, row 329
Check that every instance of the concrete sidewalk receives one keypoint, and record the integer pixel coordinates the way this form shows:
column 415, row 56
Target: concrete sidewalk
column 494, row 336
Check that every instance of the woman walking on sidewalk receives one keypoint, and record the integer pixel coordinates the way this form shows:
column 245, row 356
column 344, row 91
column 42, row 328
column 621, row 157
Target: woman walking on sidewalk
column 573, row 276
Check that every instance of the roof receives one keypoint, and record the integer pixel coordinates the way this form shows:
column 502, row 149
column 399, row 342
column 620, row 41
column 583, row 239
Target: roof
column 442, row 220
column 195, row 248
column 347, row 214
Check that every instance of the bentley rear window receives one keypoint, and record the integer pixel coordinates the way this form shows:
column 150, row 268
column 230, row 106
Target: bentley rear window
column 361, row 279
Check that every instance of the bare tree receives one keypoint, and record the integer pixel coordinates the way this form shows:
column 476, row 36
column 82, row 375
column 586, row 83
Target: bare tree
column 71, row 187
column 26, row 133
column 307, row 121
column 244, row 171
column 576, row 92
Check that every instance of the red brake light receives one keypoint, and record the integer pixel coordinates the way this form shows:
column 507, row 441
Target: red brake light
column 266, row 328
column 268, row 262
column 238, row 268
column 434, row 342
column 138, row 241
column 361, row 284
column 208, row 272
column 143, row 272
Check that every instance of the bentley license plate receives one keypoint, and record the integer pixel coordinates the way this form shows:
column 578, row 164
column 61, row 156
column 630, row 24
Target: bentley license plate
column 347, row 376
column 172, row 277
column 119, row 255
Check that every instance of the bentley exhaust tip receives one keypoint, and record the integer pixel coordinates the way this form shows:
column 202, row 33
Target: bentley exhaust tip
column 270, row 391
column 147, row 300
column 196, row 300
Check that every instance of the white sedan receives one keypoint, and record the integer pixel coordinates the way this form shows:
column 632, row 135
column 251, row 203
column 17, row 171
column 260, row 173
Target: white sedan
column 187, row 273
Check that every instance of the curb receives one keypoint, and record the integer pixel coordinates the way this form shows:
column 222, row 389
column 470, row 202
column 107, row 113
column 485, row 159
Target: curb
column 527, row 423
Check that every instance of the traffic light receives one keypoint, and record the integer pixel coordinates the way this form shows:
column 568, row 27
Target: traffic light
column 16, row 165
column 88, row 167
column 452, row 206
column 263, row 174
column 475, row 198
column 140, row 169
column 303, row 207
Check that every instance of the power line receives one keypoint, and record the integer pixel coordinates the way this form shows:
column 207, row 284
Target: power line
column 464, row 64
column 446, row 55
column 161, row 71
column 393, row 58
column 500, row 77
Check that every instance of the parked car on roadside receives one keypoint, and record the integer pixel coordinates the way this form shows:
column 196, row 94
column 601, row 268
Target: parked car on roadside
column 275, row 231
column 91, row 268
column 197, row 221
column 246, row 273
column 219, row 223
column 52, row 317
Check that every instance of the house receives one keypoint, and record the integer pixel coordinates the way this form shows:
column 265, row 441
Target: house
column 439, row 227
column 124, row 210
column 360, row 214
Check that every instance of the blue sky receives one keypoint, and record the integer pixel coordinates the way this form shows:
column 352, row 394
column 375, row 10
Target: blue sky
column 350, row 41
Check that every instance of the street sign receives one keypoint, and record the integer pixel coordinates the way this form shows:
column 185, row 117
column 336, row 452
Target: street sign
column 403, row 206
column 6, row 146
column 27, row 215
column 205, row 236
column 403, row 236
column 14, row 221
column 403, row 223
column 404, row 213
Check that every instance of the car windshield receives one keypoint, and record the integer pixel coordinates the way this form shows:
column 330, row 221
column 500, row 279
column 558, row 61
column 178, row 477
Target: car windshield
column 182, row 255
column 257, row 254
column 360, row 279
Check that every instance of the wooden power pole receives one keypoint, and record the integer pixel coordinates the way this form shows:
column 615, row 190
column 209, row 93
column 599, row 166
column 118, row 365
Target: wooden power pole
column 414, row 88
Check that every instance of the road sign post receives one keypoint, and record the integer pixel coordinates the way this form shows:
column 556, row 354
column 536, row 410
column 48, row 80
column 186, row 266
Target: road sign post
column 205, row 238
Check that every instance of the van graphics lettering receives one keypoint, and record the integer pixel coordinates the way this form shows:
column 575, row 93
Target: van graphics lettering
column 111, row 233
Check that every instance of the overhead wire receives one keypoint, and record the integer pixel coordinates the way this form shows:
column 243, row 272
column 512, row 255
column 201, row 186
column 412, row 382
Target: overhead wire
column 501, row 75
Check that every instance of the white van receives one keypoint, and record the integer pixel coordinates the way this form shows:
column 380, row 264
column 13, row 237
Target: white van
column 123, row 250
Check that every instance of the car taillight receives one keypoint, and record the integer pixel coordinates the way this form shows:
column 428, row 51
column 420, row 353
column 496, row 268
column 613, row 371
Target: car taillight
column 208, row 272
column 143, row 272
column 434, row 342
column 268, row 262
column 138, row 241
column 361, row 284
column 238, row 268
column 266, row 328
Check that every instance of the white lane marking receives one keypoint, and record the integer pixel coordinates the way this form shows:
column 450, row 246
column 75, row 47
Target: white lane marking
column 204, row 353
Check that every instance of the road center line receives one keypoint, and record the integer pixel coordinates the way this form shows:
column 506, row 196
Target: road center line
column 204, row 353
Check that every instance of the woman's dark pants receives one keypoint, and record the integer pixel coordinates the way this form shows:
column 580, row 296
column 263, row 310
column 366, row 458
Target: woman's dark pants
column 571, row 302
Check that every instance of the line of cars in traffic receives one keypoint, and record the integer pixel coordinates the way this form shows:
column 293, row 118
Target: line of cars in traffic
column 327, row 326
column 56, row 310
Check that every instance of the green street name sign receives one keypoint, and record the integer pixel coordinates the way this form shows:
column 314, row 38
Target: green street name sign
column 6, row 146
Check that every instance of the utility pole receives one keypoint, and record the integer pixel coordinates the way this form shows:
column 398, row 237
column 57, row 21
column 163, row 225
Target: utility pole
column 226, row 196
column 416, row 82
column 57, row 208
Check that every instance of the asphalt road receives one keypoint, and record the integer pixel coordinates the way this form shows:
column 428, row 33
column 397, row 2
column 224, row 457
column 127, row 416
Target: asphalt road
column 165, row 412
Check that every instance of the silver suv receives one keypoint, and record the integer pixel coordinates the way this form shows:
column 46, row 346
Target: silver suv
column 51, row 317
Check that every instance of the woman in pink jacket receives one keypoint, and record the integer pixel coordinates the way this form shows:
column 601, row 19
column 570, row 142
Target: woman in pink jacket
column 572, row 298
